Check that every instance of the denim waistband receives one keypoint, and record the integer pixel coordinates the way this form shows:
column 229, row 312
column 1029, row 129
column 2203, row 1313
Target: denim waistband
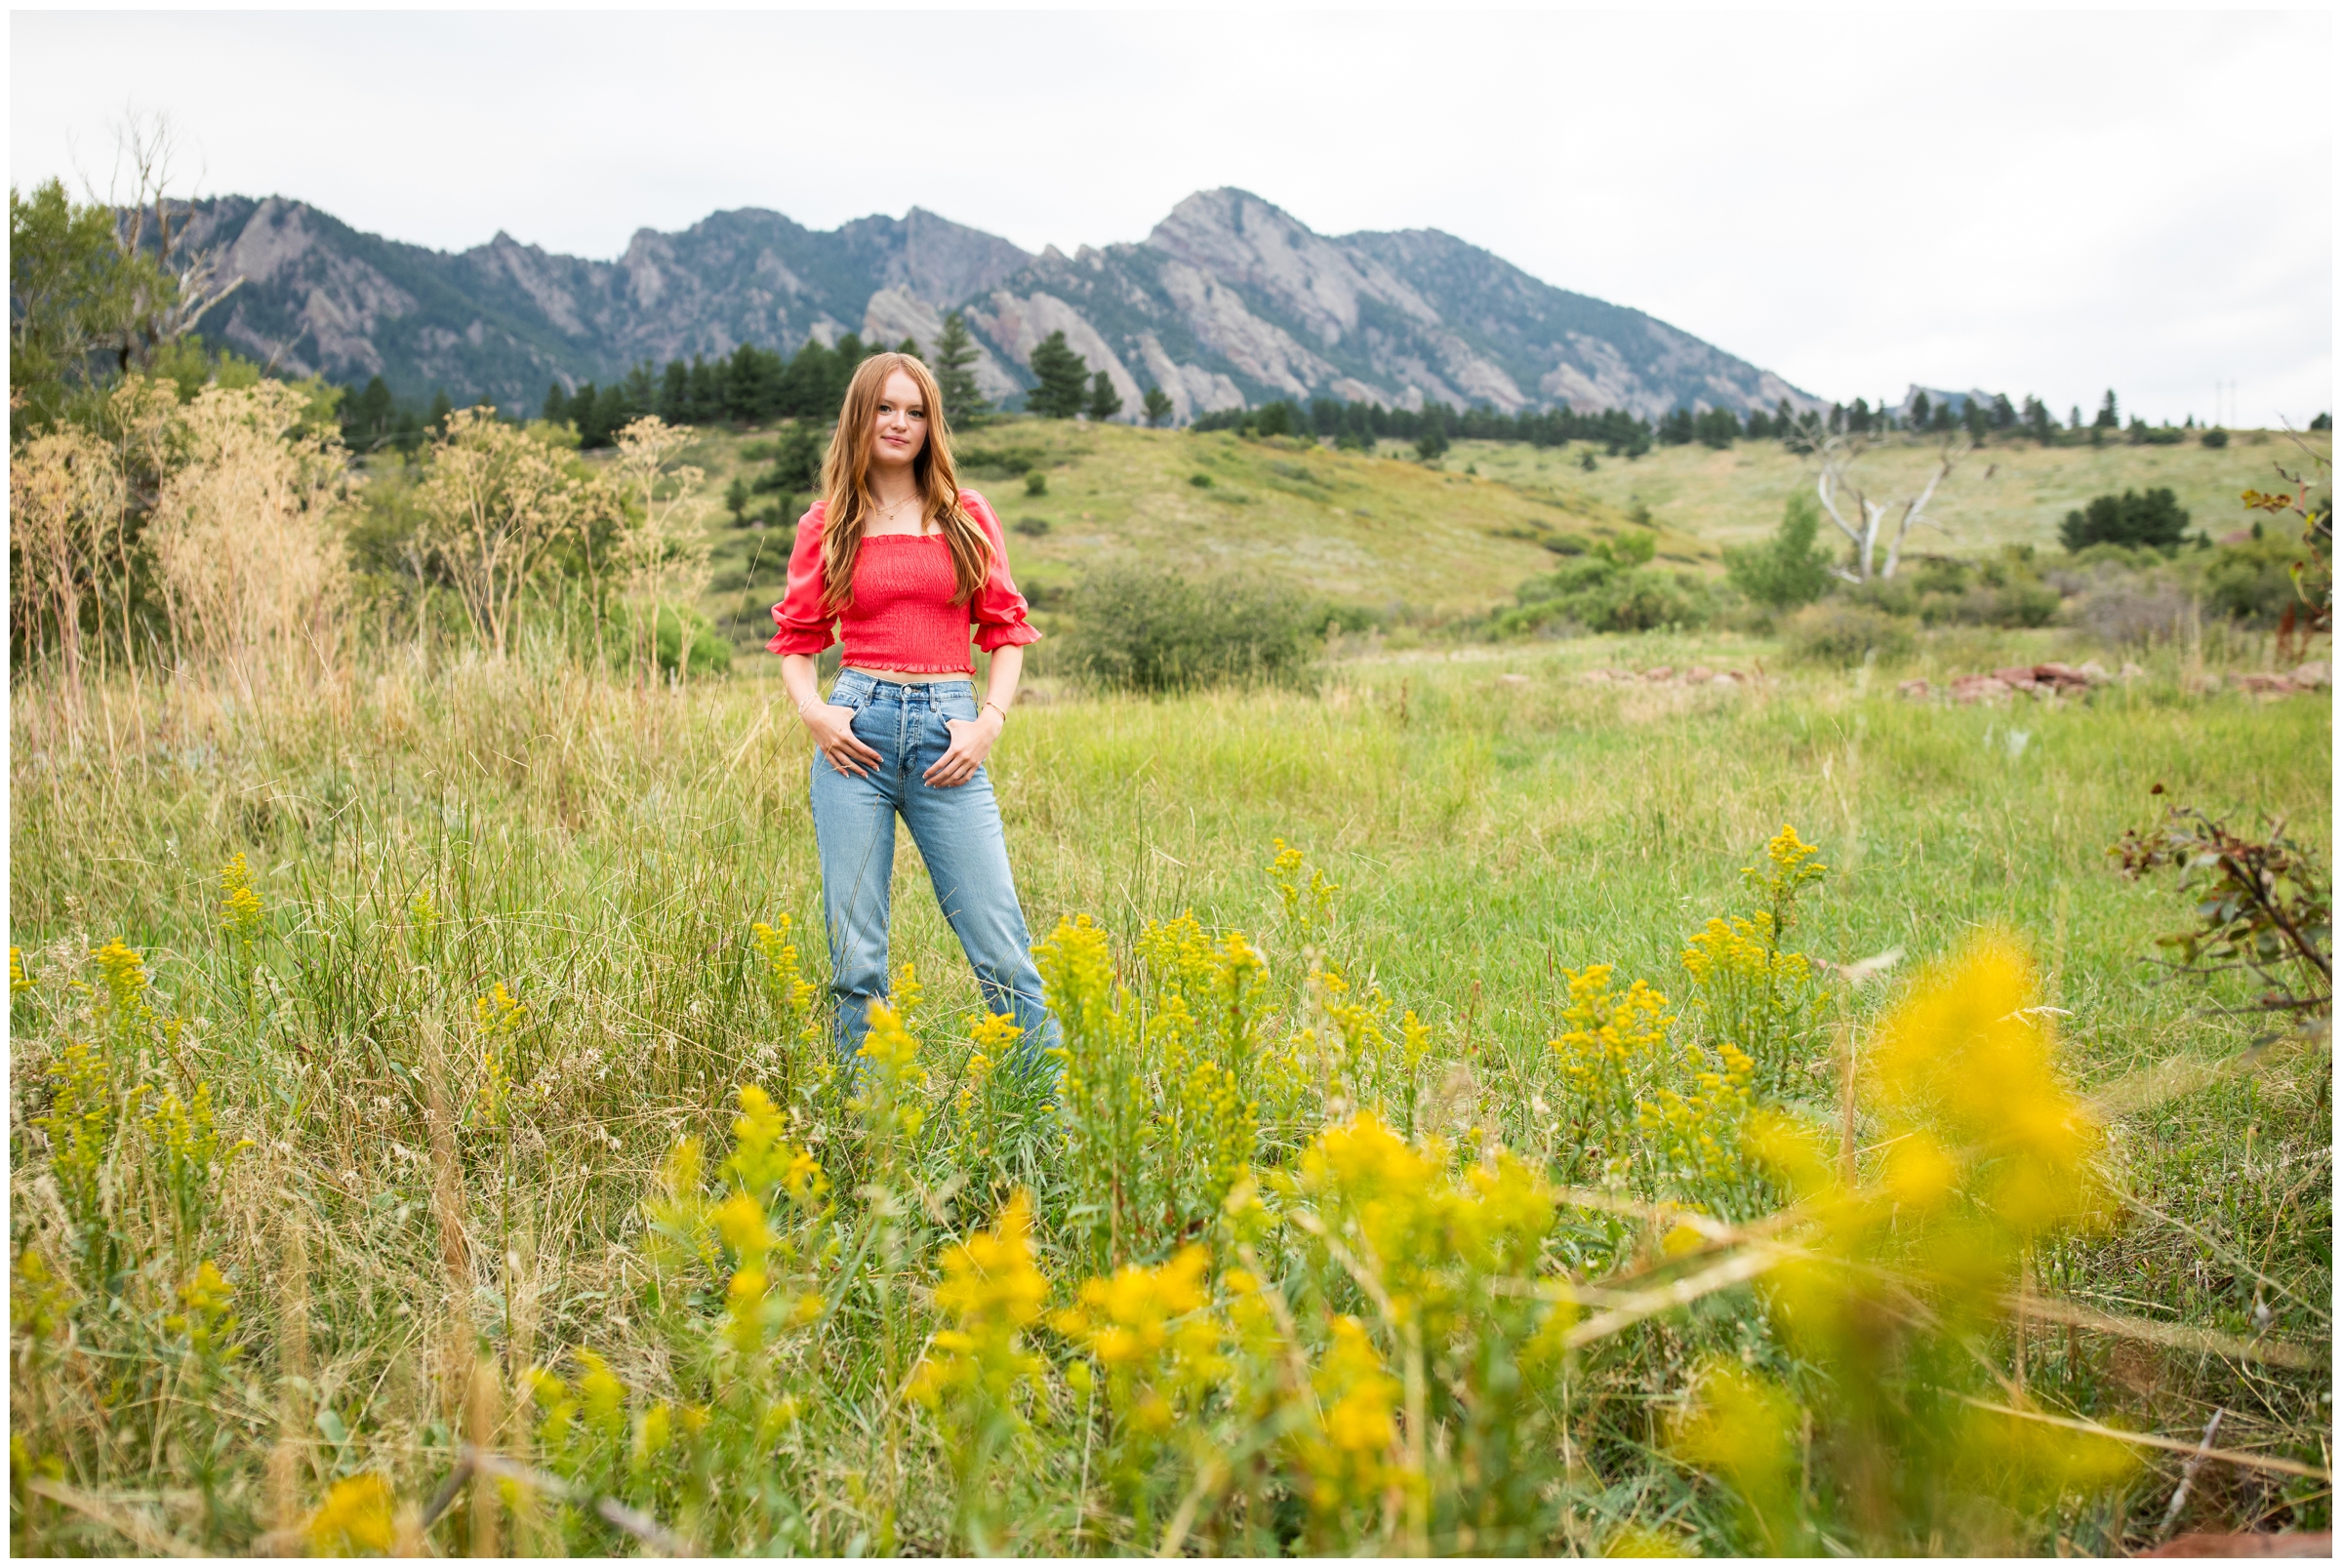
column 907, row 692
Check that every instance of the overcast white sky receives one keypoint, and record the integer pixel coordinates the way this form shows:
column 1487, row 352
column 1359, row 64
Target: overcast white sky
column 2029, row 203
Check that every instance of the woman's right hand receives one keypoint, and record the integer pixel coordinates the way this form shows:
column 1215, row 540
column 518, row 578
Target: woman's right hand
column 833, row 731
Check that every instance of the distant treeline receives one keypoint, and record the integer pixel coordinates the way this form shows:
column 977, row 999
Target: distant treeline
column 754, row 386
column 1433, row 425
column 1360, row 425
column 750, row 386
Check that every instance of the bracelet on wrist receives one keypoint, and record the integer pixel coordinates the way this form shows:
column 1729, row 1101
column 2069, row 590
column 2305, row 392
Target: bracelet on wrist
column 996, row 707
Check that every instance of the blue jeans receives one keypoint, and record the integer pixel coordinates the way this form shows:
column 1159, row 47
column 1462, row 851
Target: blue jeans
column 959, row 834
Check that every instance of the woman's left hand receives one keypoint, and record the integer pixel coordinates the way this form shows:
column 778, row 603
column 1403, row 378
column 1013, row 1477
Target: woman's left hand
column 971, row 743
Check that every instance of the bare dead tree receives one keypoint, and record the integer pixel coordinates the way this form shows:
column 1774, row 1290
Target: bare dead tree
column 175, row 284
column 1836, row 483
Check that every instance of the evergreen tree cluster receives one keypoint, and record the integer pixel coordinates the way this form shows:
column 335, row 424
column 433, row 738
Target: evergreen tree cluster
column 2154, row 520
column 750, row 386
column 753, row 386
column 1067, row 386
column 1358, row 425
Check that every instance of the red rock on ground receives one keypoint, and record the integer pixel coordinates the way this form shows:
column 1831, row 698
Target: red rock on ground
column 2282, row 1544
column 1979, row 689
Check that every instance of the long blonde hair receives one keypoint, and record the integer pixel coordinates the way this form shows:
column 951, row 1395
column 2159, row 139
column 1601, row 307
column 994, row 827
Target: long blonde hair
column 846, row 485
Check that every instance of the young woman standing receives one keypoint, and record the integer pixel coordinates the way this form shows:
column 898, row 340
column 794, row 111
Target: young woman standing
column 903, row 563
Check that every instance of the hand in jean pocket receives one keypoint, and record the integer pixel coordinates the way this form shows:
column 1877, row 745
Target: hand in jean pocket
column 971, row 743
column 831, row 725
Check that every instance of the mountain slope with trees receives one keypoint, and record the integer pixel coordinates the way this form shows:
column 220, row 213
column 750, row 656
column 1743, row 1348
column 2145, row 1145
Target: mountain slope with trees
column 1227, row 304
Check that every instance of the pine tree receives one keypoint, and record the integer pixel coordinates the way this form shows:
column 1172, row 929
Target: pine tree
column 797, row 467
column 1156, row 406
column 2155, row 520
column 441, row 408
column 1788, row 570
column 1063, row 377
column 367, row 418
column 910, row 346
column 2109, row 417
column 736, row 500
column 955, row 370
column 1104, row 402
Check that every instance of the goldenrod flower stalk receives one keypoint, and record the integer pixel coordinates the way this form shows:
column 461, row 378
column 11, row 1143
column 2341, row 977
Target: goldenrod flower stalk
column 242, row 917
column 354, row 1520
column 1147, row 1329
column 1311, row 910
column 991, row 1292
column 1985, row 1154
column 207, row 1316
column 123, row 1004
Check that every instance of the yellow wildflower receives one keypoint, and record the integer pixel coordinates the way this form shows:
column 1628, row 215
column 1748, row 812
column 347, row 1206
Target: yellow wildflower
column 993, row 1292
column 1348, row 1455
column 354, row 1518
column 241, row 911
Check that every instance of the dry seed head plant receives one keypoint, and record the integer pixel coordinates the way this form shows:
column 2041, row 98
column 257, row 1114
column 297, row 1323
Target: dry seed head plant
column 252, row 572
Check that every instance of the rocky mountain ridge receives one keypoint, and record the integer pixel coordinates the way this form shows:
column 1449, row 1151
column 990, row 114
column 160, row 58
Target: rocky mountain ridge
column 1228, row 302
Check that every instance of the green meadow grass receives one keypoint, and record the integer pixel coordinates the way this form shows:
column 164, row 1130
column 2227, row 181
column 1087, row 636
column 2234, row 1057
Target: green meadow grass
column 2013, row 494
column 1493, row 820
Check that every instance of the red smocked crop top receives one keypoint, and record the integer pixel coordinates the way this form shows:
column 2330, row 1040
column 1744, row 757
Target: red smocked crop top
column 901, row 616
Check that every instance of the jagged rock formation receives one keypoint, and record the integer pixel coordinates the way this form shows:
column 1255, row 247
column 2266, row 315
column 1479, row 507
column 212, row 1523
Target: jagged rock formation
column 504, row 320
column 1228, row 302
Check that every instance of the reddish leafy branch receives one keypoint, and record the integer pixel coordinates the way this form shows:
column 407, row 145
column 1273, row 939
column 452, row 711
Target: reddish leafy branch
column 2262, row 905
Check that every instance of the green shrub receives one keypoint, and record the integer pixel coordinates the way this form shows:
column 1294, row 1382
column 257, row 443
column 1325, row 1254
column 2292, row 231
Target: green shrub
column 1610, row 588
column 1844, row 633
column 1033, row 527
column 1628, row 549
column 1150, row 628
column 1037, row 483
column 2000, row 590
column 631, row 632
column 997, row 462
column 1346, row 618
column 2251, row 581
column 1789, row 571
column 1201, row 481
column 2216, row 438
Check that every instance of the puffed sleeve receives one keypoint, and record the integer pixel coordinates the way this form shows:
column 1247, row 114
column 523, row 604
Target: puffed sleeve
column 806, row 627
column 999, row 609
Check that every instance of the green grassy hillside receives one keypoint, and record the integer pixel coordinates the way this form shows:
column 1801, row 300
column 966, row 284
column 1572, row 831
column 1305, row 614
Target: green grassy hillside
column 2012, row 495
column 1373, row 530
column 1385, row 531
